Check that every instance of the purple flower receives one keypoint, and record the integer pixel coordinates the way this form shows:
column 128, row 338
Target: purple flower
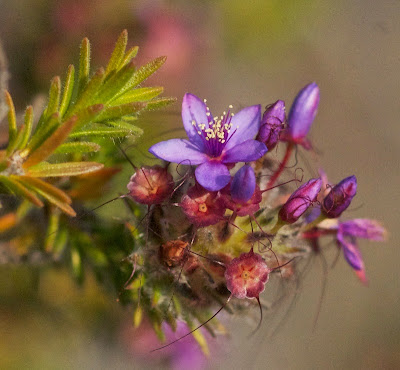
column 213, row 142
column 300, row 200
column 363, row 228
column 272, row 124
column 243, row 184
column 346, row 236
column 340, row 197
column 302, row 114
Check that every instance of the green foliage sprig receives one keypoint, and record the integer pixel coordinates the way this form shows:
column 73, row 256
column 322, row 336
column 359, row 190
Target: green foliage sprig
column 87, row 108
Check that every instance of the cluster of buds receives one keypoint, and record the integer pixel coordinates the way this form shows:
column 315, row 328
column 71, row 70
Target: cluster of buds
column 218, row 235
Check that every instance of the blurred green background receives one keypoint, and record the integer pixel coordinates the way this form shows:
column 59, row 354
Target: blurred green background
column 240, row 53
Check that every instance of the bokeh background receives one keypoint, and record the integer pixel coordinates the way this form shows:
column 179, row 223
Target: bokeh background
column 241, row 53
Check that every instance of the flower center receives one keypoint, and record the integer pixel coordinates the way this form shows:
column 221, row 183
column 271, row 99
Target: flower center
column 153, row 190
column 245, row 275
column 216, row 132
column 203, row 207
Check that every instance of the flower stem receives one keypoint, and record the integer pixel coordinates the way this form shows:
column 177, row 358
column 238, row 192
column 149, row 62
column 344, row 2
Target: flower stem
column 314, row 223
column 278, row 172
column 277, row 226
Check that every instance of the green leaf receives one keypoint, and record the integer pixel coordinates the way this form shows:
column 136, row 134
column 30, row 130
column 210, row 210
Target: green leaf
column 87, row 96
column 68, row 89
column 54, row 98
column 28, row 122
column 17, row 188
column 147, row 70
column 51, row 144
column 118, row 53
column 144, row 72
column 115, row 84
column 201, row 340
column 130, row 54
column 77, row 264
column 12, row 121
column 87, row 115
column 17, row 141
column 44, row 186
column 138, row 95
column 49, row 192
column 137, row 317
column 125, row 125
column 119, row 111
column 64, row 169
column 84, row 65
column 52, row 230
column 77, row 147
column 101, row 131
column 39, row 136
column 160, row 103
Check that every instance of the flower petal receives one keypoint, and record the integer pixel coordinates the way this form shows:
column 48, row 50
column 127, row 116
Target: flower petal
column 243, row 184
column 363, row 228
column 351, row 253
column 178, row 151
column 247, row 151
column 193, row 109
column 212, row 175
column 245, row 125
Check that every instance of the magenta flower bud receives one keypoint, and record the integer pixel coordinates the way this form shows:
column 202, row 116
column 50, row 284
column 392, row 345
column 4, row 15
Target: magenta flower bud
column 243, row 184
column 272, row 124
column 302, row 113
column 340, row 196
column 300, row 200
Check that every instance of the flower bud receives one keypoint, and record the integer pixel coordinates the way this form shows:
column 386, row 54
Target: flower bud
column 246, row 276
column 150, row 185
column 340, row 196
column 302, row 114
column 272, row 124
column 172, row 252
column 242, row 208
column 300, row 200
column 202, row 207
column 243, row 184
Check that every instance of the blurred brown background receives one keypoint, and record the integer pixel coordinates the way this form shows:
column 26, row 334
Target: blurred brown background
column 240, row 53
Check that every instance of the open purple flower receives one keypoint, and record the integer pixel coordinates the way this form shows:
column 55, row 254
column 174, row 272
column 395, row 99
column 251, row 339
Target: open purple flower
column 213, row 142
column 348, row 231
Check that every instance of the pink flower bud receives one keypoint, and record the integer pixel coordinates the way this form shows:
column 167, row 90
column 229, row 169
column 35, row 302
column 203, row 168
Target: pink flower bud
column 300, row 200
column 150, row 185
column 242, row 208
column 202, row 207
column 246, row 276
